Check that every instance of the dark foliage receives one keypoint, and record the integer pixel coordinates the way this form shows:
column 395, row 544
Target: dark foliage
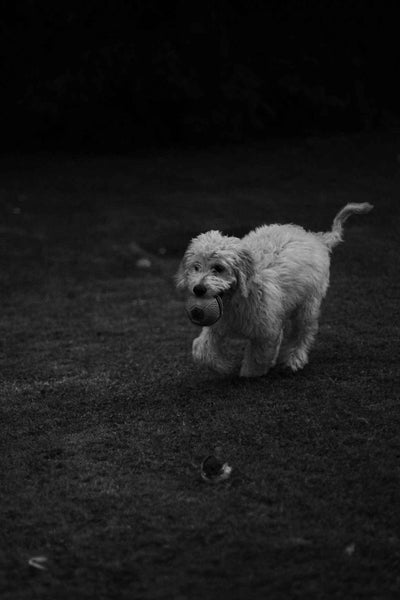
column 91, row 73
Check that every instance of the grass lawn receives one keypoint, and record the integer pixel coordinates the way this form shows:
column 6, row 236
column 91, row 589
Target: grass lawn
column 105, row 420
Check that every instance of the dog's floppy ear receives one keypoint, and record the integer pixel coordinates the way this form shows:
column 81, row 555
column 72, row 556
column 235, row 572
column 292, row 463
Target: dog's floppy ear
column 244, row 270
column 180, row 277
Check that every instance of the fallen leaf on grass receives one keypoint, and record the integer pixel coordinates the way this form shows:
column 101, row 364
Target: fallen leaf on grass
column 38, row 562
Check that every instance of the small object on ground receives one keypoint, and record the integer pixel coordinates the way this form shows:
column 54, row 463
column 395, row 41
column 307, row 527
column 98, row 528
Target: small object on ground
column 38, row 562
column 143, row 263
column 204, row 311
column 213, row 471
column 349, row 550
column 135, row 249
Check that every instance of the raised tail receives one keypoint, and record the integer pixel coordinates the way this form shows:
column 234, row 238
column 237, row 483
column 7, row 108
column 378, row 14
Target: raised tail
column 335, row 236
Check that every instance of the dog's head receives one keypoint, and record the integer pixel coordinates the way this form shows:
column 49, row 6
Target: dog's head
column 213, row 265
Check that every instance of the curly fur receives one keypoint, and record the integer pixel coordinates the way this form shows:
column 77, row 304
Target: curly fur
column 272, row 283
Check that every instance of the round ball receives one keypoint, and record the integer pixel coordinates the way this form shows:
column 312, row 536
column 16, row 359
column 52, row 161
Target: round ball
column 211, row 466
column 204, row 311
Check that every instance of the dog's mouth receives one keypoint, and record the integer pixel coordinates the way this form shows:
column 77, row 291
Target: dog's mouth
column 209, row 295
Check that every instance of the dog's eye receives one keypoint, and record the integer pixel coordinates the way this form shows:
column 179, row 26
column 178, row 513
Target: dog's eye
column 196, row 268
column 218, row 268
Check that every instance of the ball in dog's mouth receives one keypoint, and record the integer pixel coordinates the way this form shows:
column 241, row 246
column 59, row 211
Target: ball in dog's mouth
column 204, row 311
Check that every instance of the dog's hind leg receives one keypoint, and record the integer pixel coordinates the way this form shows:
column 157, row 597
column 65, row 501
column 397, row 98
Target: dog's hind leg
column 294, row 353
column 260, row 356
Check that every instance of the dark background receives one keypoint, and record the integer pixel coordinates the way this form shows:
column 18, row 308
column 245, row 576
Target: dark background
column 122, row 74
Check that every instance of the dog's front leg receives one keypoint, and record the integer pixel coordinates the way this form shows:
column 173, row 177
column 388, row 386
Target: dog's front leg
column 207, row 349
column 260, row 356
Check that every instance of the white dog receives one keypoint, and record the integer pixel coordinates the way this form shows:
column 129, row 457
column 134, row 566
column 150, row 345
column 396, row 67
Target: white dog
column 272, row 283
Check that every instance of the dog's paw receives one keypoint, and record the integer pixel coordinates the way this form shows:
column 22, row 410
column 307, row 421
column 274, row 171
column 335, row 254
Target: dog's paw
column 296, row 360
column 247, row 370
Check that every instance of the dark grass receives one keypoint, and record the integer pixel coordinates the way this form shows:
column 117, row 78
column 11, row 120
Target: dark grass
column 105, row 420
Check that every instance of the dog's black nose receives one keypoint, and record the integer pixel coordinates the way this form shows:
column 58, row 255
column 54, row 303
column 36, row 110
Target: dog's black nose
column 199, row 289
